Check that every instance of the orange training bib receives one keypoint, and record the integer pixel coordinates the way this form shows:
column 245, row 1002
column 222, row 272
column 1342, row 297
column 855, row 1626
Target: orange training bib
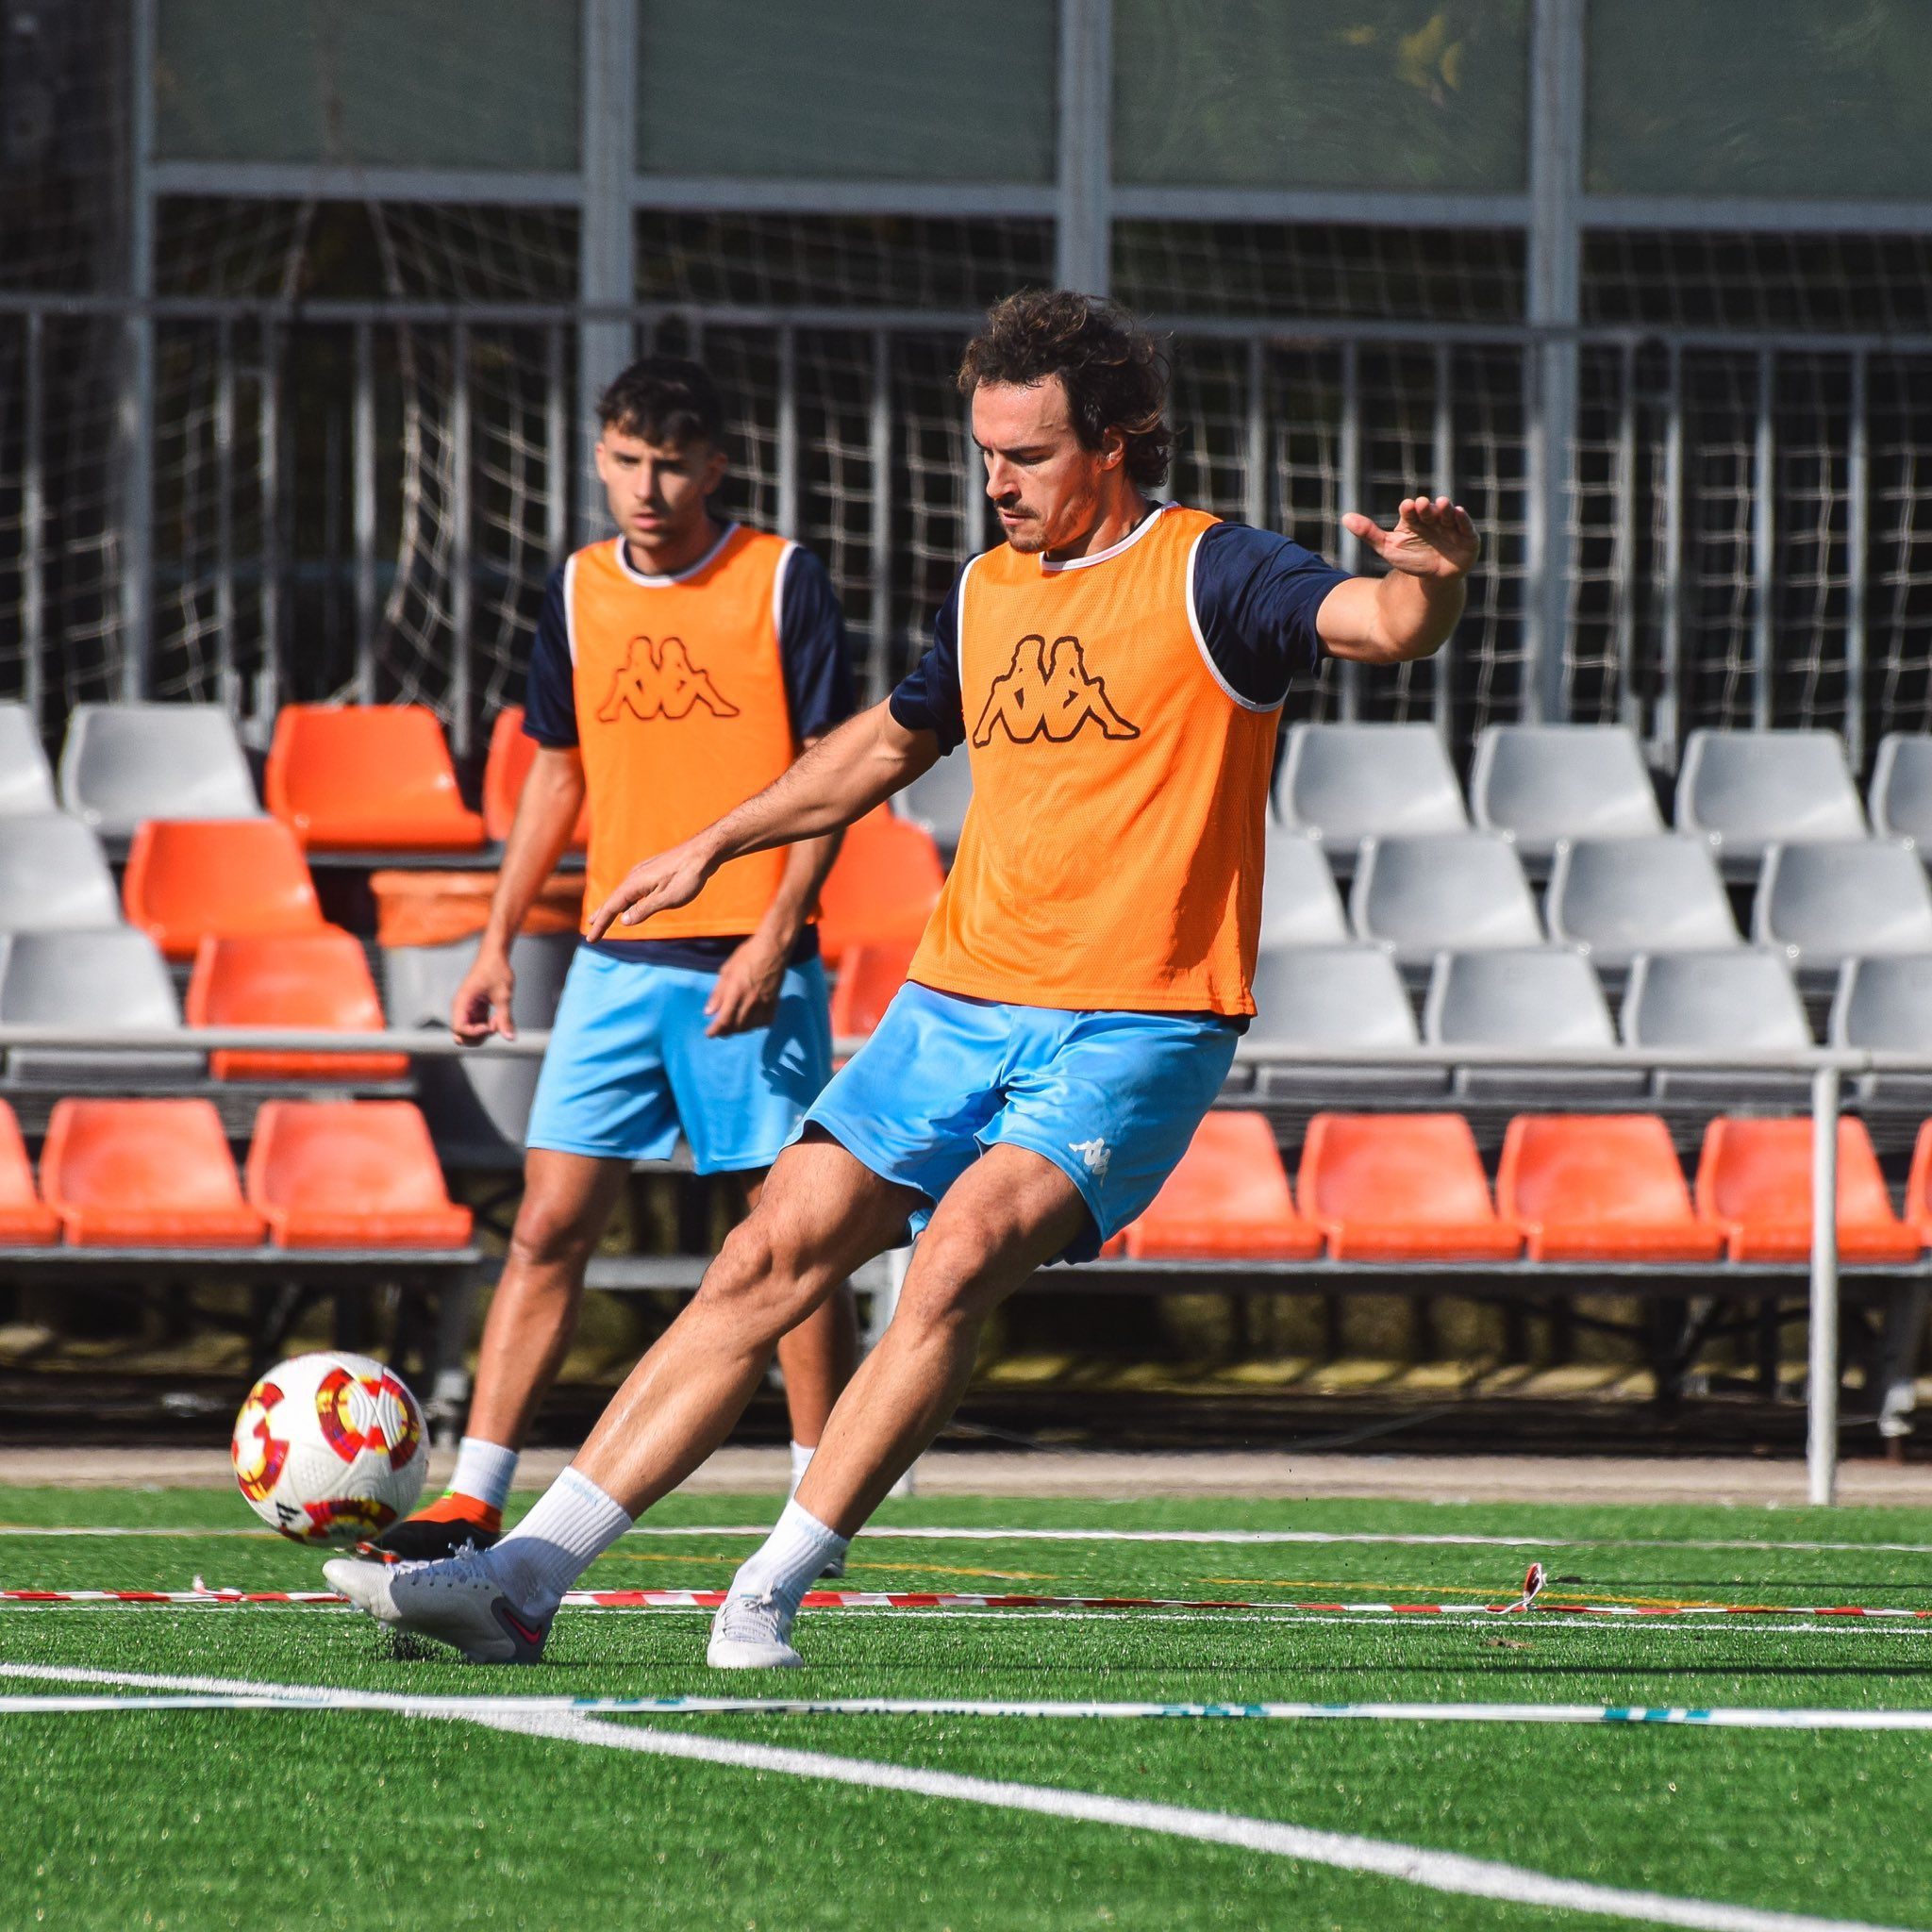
column 681, row 715
column 1112, row 857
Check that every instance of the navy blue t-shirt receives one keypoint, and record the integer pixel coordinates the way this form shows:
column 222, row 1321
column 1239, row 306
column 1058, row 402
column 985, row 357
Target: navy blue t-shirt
column 818, row 692
column 1255, row 595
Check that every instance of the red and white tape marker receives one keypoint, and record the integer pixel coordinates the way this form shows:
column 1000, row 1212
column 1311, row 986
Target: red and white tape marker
column 1532, row 1597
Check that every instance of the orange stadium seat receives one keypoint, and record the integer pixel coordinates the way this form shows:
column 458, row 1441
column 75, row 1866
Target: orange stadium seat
column 1401, row 1186
column 1600, row 1187
column 144, row 1173
column 1754, row 1185
column 869, row 975
column 26, row 1219
column 348, row 776
column 1918, row 1186
column 883, row 886
column 511, row 754
column 317, row 979
column 351, row 1173
column 189, row 877
column 1227, row 1200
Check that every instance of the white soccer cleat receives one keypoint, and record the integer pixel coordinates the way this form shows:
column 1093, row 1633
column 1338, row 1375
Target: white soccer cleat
column 751, row 1633
column 457, row 1601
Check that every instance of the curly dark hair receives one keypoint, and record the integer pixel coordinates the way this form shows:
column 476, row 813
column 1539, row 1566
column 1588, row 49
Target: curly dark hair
column 664, row 399
column 1114, row 372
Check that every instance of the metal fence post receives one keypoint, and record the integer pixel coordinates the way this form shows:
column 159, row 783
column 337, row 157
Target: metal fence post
column 33, row 529
column 136, row 405
column 1821, row 1432
column 1348, row 465
column 607, row 266
column 1763, row 546
column 1669, row 718
column 461, row 565
column 1555, row 296
column 1858, row 540
column 271, row 688
column 881, row 665
column 362, row 475
column 1083, row 231
column 789, row 519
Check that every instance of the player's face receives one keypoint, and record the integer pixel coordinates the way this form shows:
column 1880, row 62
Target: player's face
column 659, row 491
column 1048, row 487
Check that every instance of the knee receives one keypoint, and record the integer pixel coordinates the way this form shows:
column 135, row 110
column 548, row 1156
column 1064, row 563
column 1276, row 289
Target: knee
column 550, row 1233
column 756, row 1276
column 946, row 1286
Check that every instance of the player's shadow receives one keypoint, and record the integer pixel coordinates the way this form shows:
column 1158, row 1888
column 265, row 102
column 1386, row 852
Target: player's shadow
column 406, row 1648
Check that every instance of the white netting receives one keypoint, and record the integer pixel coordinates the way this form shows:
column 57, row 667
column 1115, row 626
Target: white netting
column 1898, row 564
column 485, row 469
column 854, row 438
column 63, row 230
column 1319, row 272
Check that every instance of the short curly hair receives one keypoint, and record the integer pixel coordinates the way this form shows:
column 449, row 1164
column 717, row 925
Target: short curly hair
column 1114, row 372
column 664, row 399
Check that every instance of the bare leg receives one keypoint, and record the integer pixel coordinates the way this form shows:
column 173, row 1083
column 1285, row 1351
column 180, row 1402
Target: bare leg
column 566, row 1201
column 817, row 1356
column 821, row 1214
column 1010, row 1212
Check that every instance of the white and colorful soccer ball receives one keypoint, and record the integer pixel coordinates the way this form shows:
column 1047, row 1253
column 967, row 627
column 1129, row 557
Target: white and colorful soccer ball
column 329, row 1448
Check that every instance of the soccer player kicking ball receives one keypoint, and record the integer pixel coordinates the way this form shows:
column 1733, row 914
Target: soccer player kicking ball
column 1116, row 669
column 676, row 668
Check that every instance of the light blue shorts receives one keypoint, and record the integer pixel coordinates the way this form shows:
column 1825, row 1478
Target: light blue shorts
column 1111, row 1099
column 629, row 1065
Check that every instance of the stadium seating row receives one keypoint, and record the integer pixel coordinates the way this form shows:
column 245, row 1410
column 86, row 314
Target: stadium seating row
column 158, row 1174
column 349, row 776
column 1350, row 996
column 318, row 979
column 1335, row 998
column 189, row 880
column 342, row 776
column 1370, row 1188
column 1818, row 904
column 1604, row 1188
column 1736, row 792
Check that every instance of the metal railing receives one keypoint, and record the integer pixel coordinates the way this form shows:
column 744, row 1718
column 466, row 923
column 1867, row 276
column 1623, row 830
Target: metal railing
column 1827, row 1068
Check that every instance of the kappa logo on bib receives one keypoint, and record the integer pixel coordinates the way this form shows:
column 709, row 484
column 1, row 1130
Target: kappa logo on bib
column 1047, row 692
column 657, row 679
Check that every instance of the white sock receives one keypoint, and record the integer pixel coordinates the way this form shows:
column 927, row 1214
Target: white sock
column 788, row 1559
column 572, row 1524
column 484, row 1470
column 801, row 1461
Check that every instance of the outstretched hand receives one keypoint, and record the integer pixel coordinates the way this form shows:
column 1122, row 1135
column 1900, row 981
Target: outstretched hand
column 1431, row 539
column 671, row 880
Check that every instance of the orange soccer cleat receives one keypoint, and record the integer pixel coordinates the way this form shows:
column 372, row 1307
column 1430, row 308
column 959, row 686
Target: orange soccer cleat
column 451, row 1523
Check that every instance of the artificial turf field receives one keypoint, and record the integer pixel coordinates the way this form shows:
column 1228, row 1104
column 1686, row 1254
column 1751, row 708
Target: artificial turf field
column 299, row 1817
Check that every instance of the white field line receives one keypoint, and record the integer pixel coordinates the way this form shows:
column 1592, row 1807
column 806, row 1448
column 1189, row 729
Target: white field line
column 1433, row 1871
column 953, row 1532
column 404, row 1705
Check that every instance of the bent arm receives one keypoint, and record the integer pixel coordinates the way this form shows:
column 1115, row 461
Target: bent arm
column 1410, row 612
column 836, row 781
column 805, row 866
column 1390, row 620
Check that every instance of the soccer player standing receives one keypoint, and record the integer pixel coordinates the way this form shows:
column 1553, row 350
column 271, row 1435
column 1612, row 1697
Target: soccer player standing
column 1117, row 669
column 676, row 668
